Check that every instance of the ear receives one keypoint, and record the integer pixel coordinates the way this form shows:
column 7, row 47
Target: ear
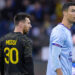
column 20, row 24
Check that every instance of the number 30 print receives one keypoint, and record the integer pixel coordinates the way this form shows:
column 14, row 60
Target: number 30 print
column 9, row 55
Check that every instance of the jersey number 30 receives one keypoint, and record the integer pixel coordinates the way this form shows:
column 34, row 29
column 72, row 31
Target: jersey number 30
column 9, row 55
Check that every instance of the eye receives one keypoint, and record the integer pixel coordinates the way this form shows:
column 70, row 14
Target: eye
column 73, row 10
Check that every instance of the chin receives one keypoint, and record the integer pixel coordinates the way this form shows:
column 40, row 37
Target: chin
column 25, row 31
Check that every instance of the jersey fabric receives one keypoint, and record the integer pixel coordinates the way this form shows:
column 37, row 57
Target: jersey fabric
column 16, row 51
column 60, row 51
column 73, row 68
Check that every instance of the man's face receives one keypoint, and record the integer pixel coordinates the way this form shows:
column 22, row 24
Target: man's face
column 26, row 25
column 71, row 14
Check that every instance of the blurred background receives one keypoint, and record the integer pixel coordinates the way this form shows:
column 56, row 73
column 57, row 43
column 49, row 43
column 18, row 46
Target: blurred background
column 45, row 14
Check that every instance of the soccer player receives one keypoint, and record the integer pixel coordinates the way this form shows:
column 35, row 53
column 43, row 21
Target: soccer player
column 16, row 48
column 60, row 52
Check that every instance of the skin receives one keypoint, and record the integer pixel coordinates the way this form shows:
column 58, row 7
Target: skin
column 23, row 26
column 71, row 14
column 68, row 20
column 59, row 71
column 73, row 38
column 27, row 25
column 69, row 17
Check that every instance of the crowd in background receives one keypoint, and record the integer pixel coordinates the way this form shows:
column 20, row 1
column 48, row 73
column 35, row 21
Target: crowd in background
column 45, row 14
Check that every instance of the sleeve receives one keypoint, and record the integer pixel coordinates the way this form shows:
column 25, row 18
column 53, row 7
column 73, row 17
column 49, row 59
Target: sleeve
column 28, row 56
column 58, row 39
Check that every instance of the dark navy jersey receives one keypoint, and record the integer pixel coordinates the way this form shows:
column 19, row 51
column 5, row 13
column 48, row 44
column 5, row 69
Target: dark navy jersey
column 16, row 54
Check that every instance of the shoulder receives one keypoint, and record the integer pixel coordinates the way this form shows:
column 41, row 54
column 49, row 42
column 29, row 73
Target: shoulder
column 9, row 36
column 26, row 40
column 58, row 31
column 25, row 37
column 58, row 28
column 5, row 36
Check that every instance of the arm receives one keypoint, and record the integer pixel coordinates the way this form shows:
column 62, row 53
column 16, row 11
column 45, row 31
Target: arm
column 59, row 72
column 28, row 56
column 57, row 42
column 56, row 60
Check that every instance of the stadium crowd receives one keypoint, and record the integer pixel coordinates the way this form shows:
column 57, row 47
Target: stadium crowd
column 45, row 14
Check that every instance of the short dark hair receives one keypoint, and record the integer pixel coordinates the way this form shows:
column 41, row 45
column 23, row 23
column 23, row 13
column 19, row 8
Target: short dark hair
column 19, row 17
column 67, row 5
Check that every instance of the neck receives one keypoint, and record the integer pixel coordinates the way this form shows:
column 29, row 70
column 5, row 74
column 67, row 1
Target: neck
column 67, row 23
column 18, row 29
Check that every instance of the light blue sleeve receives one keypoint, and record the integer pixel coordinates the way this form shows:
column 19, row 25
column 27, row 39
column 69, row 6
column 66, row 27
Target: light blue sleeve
column 57, row 42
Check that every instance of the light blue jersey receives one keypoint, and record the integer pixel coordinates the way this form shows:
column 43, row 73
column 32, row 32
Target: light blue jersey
column 60, row 51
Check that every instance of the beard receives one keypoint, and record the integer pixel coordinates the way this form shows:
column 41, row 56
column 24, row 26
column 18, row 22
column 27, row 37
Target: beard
column 71, row 21
column 25, row 30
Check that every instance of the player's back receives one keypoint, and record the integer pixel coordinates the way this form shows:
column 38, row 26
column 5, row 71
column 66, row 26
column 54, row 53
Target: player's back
column 17, row 59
